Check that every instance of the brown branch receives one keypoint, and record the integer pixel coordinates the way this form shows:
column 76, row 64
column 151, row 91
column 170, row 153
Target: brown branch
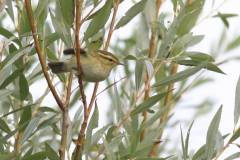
column 40, row 57
column 65, row 124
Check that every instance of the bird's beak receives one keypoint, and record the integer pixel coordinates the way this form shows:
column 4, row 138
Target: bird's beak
column 119, row 63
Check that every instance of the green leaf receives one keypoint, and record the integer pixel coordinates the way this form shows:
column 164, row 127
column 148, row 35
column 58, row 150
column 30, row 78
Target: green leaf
column 150, row 158
column 233, row 156
column 25, row 117
column 226, row 15
column 118, row 104
column 8, row 156
column 131, row 13
column 11, row 36
column 9, row 60
column 189, row 20
column 149, row 67
column 209, row 66
column 10, row 10
column 170, row 35
column 5, row 92
column 157, row 24
column 14, row 75
column 179, row 76
column 47, row 109
column 53, row 155
column 149, row 103
column 38, row 156
column 237, row 103
column 198, row 56
column 110, row 136
column 233, row 44
column 109, row 151
column 30, row 128
column 138, row 73
column 45, row 123
column 92, row 124
column 135, row 141
column 4, row 126
column 212, row 134
column 187, row 138
column 61, row 31
column 24, row 88
column 219, row 142
column 99, row 20
column 9, row 135
column 49, row 39
column 183, row 40
column 68, row 10
column 235, row 136
column 183, row 147
column 40, row 8
column 195, row 40
column 28, row 153
column 19, row 109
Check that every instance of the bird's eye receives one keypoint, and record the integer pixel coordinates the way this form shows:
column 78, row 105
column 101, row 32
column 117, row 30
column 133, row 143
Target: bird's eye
column 110, row 60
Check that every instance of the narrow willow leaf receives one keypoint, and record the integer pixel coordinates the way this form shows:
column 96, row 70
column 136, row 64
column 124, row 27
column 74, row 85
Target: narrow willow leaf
column 69, row 133
column 8, row 156
column 61, row 31
column 183, row 147
column 192, row 13
column 4, row 126
column 212, row 134
column 30, row 128
column 53, row 155
column 46, row 109
column 209, row 66
column 8, row 35
column 19, row 109
column 9, row 60
column 9, row 135
column 92, row 124
column 99, row 20
column 28, row 153
column 14, row 75
column 143, row 38
column 237, row 103
column 138, row 73
column 5, row 73
column 169, row 37
column 183, row 40
column 135, row 141
column 179, row 76
column 45, row 123
column 157, row 24
column 68, row 9
column 233, row 156
column 157, row 115
column 233, row 44
column 149, row 67
column 10, row 10
column 219, row 142
column 38, row 156
column 152, row 158
column 24, row 88
column 109, row 151
column 5, row 92
column 109, row 133
column 187, row 138
column 149, row 103
column 40, row 8
column 235, row 136
column 77, row 114
column 150, row 11
column 195, row 40
column 118, row 103
column 49, row 39
column 25, row 117
column 96, row 136
column 131, row 13
column 198, row 56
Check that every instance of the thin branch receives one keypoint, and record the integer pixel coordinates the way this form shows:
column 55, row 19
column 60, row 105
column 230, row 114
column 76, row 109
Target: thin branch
column 65, row 124
column 81, row 133
column 41, row 59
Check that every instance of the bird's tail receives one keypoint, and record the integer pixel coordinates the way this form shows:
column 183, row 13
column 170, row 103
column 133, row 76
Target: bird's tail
column 58, row 67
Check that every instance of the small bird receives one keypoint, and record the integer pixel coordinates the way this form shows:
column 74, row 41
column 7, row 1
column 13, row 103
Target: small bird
column 96, row 65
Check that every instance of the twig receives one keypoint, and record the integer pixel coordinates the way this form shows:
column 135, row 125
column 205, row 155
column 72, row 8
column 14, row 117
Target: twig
column 41, row 59
column 65, row 124
column 81, row 133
